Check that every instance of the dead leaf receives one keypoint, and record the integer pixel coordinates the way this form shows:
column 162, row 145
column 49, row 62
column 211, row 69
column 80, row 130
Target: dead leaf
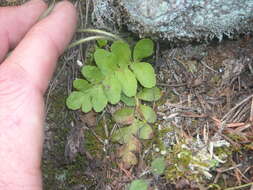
column 127, row 152
column 90, row 118
column 129, row 160
column 134, row 145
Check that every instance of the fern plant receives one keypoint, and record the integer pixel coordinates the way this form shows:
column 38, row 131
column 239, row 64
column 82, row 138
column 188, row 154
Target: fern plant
column 115, row 77
column 120, row 74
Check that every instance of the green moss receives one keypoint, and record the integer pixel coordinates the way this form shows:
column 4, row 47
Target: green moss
column 179, row 160
column 190, row 159
column 235, row 137
column 249, row 146
column 56, row 173
column 173, row 98
column 223, row 152
column 93, row 145
column 157, row 140
column 65, row 176
column 215, row 80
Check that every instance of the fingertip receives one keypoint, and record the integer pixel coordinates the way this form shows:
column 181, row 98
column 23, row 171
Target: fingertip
column 63, row 11
column 36, row 3
column 38, row 51
column 66, row 5
column 16, row 21
column 67, row 9
column 71, row 17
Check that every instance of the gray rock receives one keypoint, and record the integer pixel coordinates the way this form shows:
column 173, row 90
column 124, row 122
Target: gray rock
column 177, row 20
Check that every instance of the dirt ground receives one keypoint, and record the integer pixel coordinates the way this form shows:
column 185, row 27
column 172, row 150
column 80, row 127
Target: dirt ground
column 205, row 87
column 207, row 91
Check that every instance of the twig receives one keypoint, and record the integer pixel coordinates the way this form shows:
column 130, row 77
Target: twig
column 210, row 68
column 87, row 6
column 235, row 107
column 242, row 128
column 52, row 86
column 231, row 168
column 171, row 85
column 251, row 111
column 178, row 106
column 235, row 144
column 128, row 173
column 239, row 187
column 241, row 115
column 193, row 115
column 97, row 137
column 235, row 125
column 157, row 54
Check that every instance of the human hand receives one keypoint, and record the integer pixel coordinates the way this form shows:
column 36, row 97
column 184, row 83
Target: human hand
column 24, row 77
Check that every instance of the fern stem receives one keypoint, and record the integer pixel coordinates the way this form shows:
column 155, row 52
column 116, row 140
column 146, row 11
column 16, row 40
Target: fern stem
column 97, row 31
column 84, row 40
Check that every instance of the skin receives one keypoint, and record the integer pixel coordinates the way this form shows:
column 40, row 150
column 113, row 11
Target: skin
column 24, row 77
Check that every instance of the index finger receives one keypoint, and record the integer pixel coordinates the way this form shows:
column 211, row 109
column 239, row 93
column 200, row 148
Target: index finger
column 39, row 50
column 16, row 21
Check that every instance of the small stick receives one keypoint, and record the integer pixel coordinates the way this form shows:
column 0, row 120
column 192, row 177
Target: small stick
column 239, row 187
column 171, row 85
column 210, row 68
column 251, row 111
column 235, row 107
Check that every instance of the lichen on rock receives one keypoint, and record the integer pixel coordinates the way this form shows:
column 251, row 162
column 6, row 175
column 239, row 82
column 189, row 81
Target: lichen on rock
column 178, row 20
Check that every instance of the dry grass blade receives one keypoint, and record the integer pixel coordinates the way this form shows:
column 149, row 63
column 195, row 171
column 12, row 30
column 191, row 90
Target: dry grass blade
column 251, row 111
column 100, row 32
column 234, row 111
column 84, row 40
column 240, row 186
column 48, row 11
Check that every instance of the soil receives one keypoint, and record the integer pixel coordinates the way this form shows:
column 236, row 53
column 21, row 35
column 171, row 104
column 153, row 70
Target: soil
column 206, row 87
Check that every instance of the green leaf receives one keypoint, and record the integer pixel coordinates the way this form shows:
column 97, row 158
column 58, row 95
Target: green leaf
column 144, row 48
column 78, row 100
column 86, row 103
column 127, row 81
column 158, row 166
column 112, row 89
column 92, row 74
column 139, row 184
column 134, row 145
column 98, row 98
column 124, row 116
column 145, row 74
column 150, row 94
column 129, row 159
column 126, row 151
column 129, row 101
column 106, row 61
column 122, row 51
column 124, row 134
column 148, row 113
column 81, row 84
column 101, row 42
column 146, row 132
column 74, row 100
